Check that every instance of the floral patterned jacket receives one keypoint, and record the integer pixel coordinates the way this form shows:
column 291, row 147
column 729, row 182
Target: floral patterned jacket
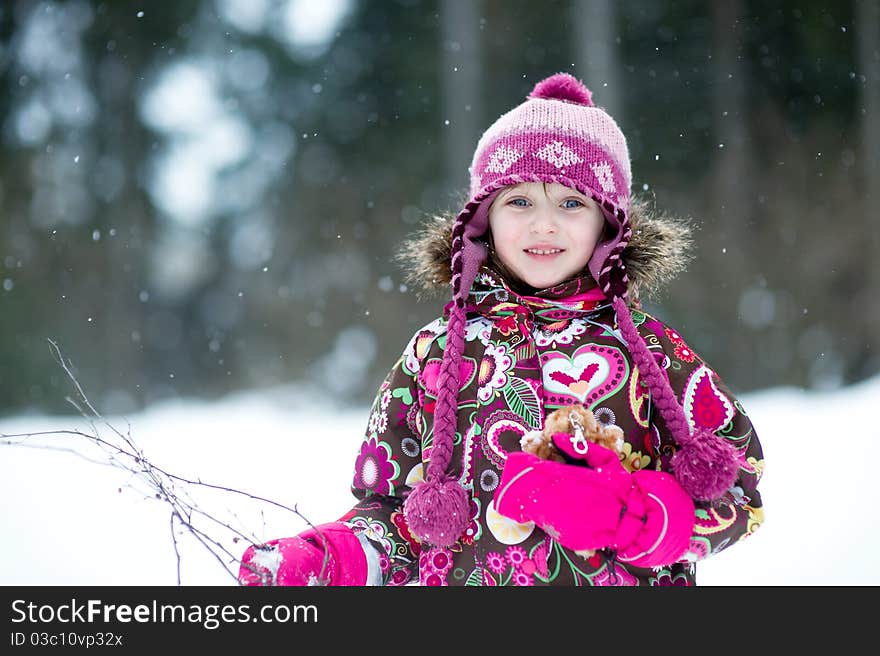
column 524, row 357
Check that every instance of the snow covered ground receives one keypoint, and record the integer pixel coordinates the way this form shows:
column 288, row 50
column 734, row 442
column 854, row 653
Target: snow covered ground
column 70, row 520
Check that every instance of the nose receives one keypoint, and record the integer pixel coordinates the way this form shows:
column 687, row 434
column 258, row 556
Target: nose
column 543, row 222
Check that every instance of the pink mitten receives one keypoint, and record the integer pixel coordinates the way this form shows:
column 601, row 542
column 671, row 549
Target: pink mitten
column 300, row 560
column 646, row 517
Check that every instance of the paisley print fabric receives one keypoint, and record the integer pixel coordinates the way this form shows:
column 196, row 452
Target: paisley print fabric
column 524, row 357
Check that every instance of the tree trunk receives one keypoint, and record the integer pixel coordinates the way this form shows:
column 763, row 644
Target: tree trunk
column 732, row 187
column 596, row 55
column 867, row 25
column 460, row 76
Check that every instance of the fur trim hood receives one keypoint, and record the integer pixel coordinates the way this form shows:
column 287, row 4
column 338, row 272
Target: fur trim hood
column 659, row 250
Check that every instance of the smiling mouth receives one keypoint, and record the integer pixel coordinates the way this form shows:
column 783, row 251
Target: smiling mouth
column 543, row 252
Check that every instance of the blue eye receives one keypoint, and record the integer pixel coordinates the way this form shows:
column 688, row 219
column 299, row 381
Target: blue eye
column 519, row 199
column 574, row 200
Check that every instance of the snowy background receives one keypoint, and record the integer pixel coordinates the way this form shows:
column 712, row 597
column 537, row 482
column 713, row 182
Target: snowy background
column 162, row 169
column 67, row 519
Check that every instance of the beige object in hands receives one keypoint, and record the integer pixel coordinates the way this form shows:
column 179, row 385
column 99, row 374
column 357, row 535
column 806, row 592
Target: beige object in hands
column 578, row 421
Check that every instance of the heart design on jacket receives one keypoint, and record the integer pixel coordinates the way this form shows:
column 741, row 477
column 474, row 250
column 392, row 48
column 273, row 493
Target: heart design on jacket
column 431, row 372
column 591, row 373
column 579, row 385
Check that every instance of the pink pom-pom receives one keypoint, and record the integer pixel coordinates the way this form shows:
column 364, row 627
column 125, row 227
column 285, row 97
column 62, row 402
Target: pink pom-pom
column 706, row 466
column 563, row 86
column 437, row 512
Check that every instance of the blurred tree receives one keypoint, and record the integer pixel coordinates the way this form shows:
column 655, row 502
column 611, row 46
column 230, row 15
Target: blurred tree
column 596, row 52
column 462, row 81
column 77, row 227
column 204, row 196
column 867, row 28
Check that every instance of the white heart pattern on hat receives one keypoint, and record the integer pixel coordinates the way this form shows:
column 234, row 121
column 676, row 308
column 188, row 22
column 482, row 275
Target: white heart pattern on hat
column 592, row 373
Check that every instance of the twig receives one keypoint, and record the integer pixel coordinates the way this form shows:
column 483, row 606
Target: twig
column 175, row 490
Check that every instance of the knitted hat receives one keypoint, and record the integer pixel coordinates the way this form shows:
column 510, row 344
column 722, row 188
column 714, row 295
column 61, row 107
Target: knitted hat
column 556, row 135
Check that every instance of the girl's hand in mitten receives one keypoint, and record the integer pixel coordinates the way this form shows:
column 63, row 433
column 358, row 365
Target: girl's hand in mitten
column 329, row 554
column 646, row 517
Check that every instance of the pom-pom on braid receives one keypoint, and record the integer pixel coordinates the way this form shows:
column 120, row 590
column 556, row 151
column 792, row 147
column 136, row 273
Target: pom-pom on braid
column 705, row 465
column 437, row 510
column 563, row 86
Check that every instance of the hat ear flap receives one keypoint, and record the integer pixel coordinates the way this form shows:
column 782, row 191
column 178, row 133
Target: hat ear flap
column 606, row 263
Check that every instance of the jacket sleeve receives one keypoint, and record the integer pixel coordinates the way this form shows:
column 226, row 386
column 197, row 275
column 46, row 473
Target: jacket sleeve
column 707, row 402
column 389, row 462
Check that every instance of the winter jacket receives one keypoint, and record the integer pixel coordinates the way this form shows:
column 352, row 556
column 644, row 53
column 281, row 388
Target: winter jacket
column 524, row 357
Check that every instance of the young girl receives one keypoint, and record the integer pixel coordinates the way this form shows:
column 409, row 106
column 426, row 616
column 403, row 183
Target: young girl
column 545, row 261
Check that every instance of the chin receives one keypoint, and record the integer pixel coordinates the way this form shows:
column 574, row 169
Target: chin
column 543, row 283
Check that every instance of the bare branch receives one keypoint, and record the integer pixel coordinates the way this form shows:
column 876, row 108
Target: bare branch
column 179, row 492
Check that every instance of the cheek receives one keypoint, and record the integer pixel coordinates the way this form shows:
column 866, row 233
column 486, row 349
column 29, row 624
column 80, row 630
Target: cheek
column 505, row 238
column 586, row 241
column 593, row 233
column 586, row 237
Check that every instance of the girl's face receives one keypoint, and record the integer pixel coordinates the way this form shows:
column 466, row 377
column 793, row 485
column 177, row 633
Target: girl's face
column 544, row 233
